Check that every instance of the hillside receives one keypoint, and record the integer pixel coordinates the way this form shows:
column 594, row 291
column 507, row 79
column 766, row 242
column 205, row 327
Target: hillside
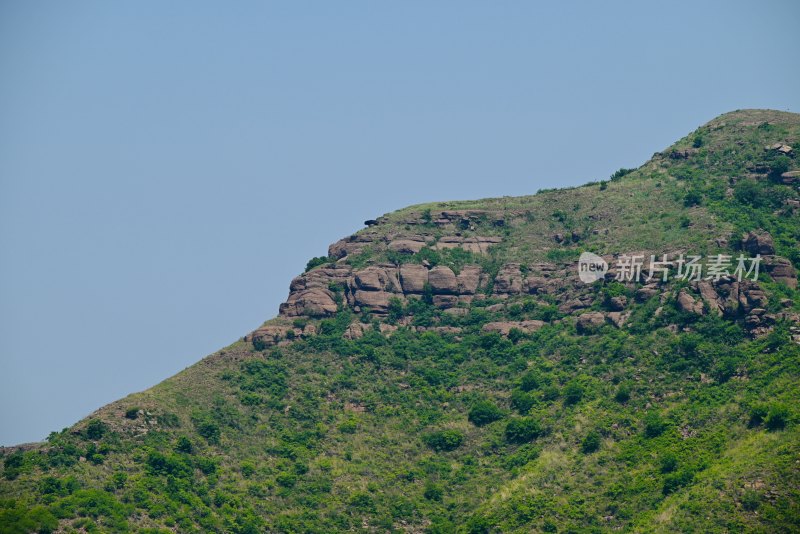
column 445, row 369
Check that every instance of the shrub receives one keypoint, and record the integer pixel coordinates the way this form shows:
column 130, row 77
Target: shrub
column 522, row 430
column 654, row 425
column 591, row 443
column 623, row 393
column 620, row 173
column 778, row 417
column 316, row 262
column 483, row 413
column 184, row 445
column 758, row 413
column 751, row 500
column 668, row 463
column 573, row 393
column 132, row 413
column 433, row 492
column 96, row 429
column 676, row 481
column 522, row 401
column 692, row 198
column 444, row 440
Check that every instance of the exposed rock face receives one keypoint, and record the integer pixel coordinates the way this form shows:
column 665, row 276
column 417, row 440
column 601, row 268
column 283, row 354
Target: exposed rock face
column 443, row 281
column 407, row 246
column 781, row 270
column 509, row 280
column 413, row 278
column 315, row 302
column 590, row 321
column 688, row 303
column 710, row 296
column 469, row 279
column 477, row 245
column 758, row 243
column 504, row 327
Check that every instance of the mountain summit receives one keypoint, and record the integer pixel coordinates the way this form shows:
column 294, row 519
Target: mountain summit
column 617, row 356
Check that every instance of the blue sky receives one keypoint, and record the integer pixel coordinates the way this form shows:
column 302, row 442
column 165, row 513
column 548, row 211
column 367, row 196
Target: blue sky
column 166, row 168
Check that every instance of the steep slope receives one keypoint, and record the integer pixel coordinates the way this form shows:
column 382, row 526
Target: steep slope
column 446, row 370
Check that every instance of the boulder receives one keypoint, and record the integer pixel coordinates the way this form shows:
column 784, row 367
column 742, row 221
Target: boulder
column 689, row 304
column 355, row 330
column 590, row 321
column 618, row 318
column 618, row 303
column 314, row 302
column 791, row 177
column 509, row 280
column 406, row 246
column 445, row 301
column 469, row 279
column 781, row 270
column 376, row 301
column 504, row 327
column 710, row 296
column 376, row 278
column 413, row 278
column 758, row 243
column 442, row 281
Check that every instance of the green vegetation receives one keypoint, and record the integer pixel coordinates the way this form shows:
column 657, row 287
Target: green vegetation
column 676, row 422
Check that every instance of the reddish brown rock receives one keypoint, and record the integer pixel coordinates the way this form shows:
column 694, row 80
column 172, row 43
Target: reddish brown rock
column 590, row 321
column 504, row 327
column 469, row 279
column 407, row 246
column 758, row 243
column 376, row 301
column 509, row 280
column 710, row 296
column 781, row 270
column 688, row 303
column 445, row 301
column 443, row 281
column 377, row 278
column 314, row 302
column 413, row 278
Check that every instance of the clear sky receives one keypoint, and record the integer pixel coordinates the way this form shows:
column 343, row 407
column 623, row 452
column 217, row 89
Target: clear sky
column 166, row 168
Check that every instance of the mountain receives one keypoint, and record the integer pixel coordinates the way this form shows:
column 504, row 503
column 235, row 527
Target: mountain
column 446, row 369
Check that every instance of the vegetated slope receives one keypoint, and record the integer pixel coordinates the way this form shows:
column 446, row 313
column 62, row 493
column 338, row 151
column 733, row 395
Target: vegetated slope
column 445, row 370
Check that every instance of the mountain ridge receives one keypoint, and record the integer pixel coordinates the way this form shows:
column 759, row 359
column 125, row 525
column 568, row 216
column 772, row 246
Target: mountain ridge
column 443, row 370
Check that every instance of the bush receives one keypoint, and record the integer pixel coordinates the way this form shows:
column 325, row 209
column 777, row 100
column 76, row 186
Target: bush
column 620, row 173
column 132, row 413
column 444, row 440
column 522, row 401
column 591, row 443
column 676, row 481
column 668, row 463
column 522, row 430
column 483, row 413
column 623, row 394
column 433, row 492
column 316, row 262
column 692, row 198
column 654, row 425
column 778, row 417
column 751, row 500
column 573, row 393
column 758, row 413
column 184, row 445
column 96, row 429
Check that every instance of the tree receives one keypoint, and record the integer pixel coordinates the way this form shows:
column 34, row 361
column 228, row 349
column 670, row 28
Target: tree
column 522, row 430
column 483, row 413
